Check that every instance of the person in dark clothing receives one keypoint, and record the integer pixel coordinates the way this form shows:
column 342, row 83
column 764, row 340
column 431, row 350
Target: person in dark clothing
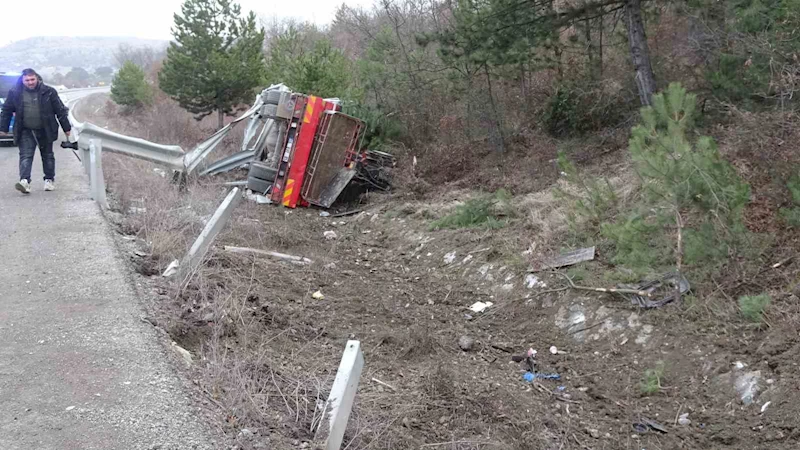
column 36, row 106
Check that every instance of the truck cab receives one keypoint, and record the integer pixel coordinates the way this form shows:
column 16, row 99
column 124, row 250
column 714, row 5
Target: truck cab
column 7, row 82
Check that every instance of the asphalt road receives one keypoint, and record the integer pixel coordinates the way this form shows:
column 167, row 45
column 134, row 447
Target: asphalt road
column 78, row 368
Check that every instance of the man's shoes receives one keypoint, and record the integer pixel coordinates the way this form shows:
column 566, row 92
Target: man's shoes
column 49, row 185
column 23, row 186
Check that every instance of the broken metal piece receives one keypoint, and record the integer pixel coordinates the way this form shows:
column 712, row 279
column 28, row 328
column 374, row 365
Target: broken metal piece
column 646, row 425
column 663, row 289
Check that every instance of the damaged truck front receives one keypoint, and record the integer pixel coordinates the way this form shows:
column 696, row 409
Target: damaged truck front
column 300, row 150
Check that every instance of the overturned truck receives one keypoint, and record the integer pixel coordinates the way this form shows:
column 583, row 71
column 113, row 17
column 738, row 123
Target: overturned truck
column 302, row 150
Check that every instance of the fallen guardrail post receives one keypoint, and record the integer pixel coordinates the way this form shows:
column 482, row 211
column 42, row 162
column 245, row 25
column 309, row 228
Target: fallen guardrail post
column 198, row 251
column 298, row 260
column 340, row 401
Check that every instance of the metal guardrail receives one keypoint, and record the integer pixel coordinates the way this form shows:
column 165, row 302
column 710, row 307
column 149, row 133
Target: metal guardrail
column 171, row 156
column 330, row 426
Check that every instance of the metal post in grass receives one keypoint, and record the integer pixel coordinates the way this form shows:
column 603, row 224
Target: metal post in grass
column 343, row 394
column 98, row 185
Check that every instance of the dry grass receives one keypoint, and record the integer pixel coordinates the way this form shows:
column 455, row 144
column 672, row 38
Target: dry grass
column 267, row 351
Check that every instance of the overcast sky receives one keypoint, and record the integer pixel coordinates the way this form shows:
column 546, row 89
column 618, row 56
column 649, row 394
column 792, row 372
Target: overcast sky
column 150, row 19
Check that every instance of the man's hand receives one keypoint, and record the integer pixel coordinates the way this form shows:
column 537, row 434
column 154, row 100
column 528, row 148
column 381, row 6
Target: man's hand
column 67, row 133
column 4, row 133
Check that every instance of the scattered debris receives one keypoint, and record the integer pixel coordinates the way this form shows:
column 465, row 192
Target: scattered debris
column 765, row 406
column 502, row 348
column 466, row 343
column 663, row 288
column 646, row 425
column 449, row 258
column 566, row 259
column 530, row 377
column 554, row 350
column 347, row 213
column 172, row 269
column 185, row 354
column 684, row 419
column 324, row 214
column 160, row 172
column 318, row 296
column 70, row 408
column 480, row 306
column 140, row 253
column 290, row 258
column 531, row 282
column 644, row 334
column 572, row 285
column 746, row 385
column 330, row 235
column 529, row 359
column 595, row 434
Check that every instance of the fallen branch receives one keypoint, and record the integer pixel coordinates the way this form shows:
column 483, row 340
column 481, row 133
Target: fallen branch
column 299, row 260
column 346, row 213
column 604, row 290
column 679, row 252
column 439, row 444
column 384, row 384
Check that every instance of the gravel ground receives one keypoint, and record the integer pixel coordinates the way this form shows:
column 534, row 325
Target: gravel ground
column 78, row 368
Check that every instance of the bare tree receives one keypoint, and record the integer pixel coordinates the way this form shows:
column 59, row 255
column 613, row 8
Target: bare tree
column 144, row 57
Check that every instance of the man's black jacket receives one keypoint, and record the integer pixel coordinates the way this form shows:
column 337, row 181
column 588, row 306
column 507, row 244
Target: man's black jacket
column 50, row 106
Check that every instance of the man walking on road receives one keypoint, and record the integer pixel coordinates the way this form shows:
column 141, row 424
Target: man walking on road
column 36, row 106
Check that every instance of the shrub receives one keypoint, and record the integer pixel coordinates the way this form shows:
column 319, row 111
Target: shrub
column 484, row 211
column 792, row 214
column 129, row 87
column 753, row 307
column 651, row 382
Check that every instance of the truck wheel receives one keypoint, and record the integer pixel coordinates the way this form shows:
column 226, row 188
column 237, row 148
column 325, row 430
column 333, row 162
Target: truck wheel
column 258, row 185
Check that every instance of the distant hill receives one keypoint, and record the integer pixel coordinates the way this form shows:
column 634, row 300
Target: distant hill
column 49, row 55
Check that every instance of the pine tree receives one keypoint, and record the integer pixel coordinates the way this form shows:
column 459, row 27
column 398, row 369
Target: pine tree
column 129, row 87
column 216, row 60
column 689, row 188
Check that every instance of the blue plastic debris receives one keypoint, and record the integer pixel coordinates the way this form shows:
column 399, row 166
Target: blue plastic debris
column 562, row 388
column 529, row 377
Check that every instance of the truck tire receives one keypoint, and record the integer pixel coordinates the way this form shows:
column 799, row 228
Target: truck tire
column 262, row 172
column 272, row 97
column 258, row 185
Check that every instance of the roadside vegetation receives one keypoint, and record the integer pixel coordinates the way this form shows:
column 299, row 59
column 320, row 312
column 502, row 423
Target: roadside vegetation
column 664, row 135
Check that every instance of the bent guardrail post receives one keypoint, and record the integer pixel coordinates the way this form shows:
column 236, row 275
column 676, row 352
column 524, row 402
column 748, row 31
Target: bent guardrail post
column 340, row 401
column 193, row 159
column 203, row 242
column 98, row 184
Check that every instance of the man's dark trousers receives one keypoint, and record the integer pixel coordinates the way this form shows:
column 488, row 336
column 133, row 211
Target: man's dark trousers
column 28, row 141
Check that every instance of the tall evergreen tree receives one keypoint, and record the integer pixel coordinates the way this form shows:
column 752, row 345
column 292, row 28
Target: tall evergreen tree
column 216, row 59
column 129, row 87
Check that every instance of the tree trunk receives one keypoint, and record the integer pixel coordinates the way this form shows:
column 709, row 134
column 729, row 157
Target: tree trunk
column 640, row 53
column 220, row 119
column 496, row 120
